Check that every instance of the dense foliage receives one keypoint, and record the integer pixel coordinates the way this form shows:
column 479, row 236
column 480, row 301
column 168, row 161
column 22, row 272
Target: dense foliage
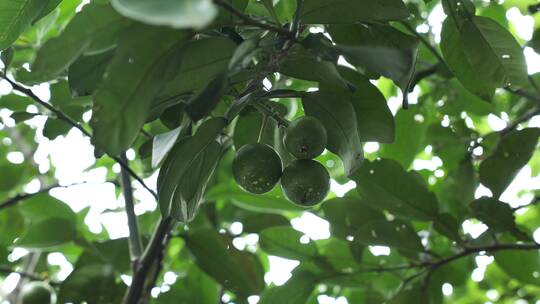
column 424, row 109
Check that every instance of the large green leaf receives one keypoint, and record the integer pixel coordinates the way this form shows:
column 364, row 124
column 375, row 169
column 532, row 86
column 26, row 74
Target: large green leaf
column 491, row 49
column 457, row 62
column 272, row 202
column 347, row 214
column 44, row 206
column 513, row 152
column 93, row 284
column 339, row 118
column 285, row 242
column 200, row 65
column 295, row 291
column 84, row 33
column 146, row 57
column 521, row 265
column 375, row 120
column 185, row 173
column 411, row 130
column 195, row 287
column 86, row 73
column 351, row 11
column 239, row 271
column 12, row 175
column 16, row 17
column 380, row 49
column 396, row 234
column 402, row 194
column 47, row 233
column 497, row 215
column 174, row 13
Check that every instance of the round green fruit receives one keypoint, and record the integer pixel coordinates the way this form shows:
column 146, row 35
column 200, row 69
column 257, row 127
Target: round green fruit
column 37, row 293
column 305, row 182
column 257, row 168
column 305, row 138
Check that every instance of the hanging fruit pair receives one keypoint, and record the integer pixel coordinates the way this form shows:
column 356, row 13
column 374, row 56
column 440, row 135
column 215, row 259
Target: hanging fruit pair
column 257, row 167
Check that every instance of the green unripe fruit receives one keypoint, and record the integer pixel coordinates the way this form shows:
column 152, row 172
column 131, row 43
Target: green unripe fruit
column 305, row 182
column 37, row 293
column 305, row 138
column 257, row 168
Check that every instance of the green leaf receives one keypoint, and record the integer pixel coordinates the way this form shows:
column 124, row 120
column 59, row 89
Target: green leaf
column 413, row 295
column 55, row 127
column 296, row 290
column 490, row 48
column 84, row 33
column 272, row 202
column 521, row 265
column 162, row 144
column 200, row 65
column 207, row 99
column 347, row 214
column 457, row 62
column 302, row 64
column 16, row 17
column 402, row 195
column 380, row 49
column 498, row 216
column 396, row 234
column 447, row 225
column 197, row 156
column 12, row 224
column 12, row 175
column 86, row 73
column 513, row 152
column 47, row 233
column 375, row 120
column 195, row 287
column 146, row 57
column 173, row 13
column 94, row 283
column 339, row 118
column 43, row 206
column 255, row 222
column 238, row 271
column 352, row 11
column 285, row 242
column 409, row 140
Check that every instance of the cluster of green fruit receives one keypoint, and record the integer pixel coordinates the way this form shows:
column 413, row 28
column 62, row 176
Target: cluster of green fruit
column 257, row 167
column 36, row 292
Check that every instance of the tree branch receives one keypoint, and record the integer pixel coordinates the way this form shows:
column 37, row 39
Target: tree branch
column 21, row 197
column 247, row 20
column 135, row 243
column 430, row 47
column 61, row 115
column 147, row 261
column 24, row 274
column 523, row 93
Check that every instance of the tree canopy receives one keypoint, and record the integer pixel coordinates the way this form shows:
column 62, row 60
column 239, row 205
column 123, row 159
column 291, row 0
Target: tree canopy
column 232, row 130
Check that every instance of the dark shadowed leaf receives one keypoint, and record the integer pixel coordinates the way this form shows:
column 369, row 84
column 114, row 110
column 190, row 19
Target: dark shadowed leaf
column 339, row 118
column 402, row 195
column 86, row 73
column 512, row 153
column 240, row 272
column 144, row 60
column 351, row 11
column 49, row 232
column 285, row 242
column 520, row 264
column 17, row 17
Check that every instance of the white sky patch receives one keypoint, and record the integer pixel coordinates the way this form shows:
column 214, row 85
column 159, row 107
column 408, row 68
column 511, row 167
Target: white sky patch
column 379, row 250
column 314, row 227
column 435, row 19
column 496, row 123
column 341, row 189
column 522, row 181
column 474, row 229
column 280, row 270
column 523, row 24
column 371, row 147
column 533, row 60
column 447, row 289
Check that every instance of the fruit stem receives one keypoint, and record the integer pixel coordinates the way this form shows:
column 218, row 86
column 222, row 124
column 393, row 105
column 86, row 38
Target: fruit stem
column 265, row 110
column 263, row 126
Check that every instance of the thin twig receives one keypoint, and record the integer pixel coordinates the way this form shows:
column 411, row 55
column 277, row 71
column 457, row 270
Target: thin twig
column 523, row 93
column 135, row 243
column 251, row 21
column 430, row 47
column 61, row 115
column 21, row 197
column 24, row 274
